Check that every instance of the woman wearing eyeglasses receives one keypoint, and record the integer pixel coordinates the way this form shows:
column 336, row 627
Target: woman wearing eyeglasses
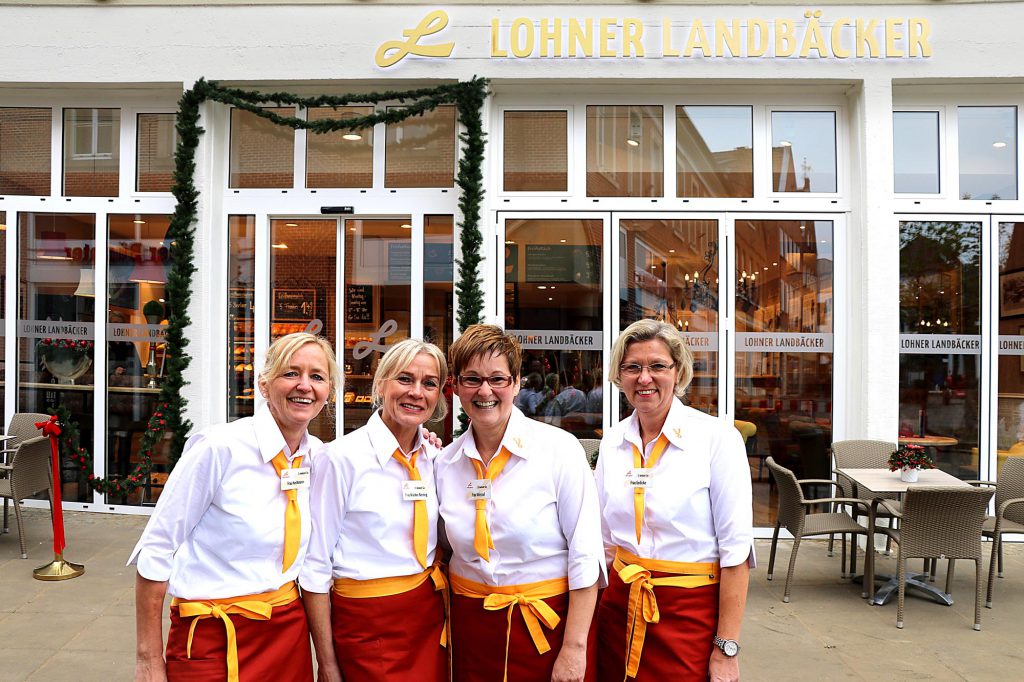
column 520, row 512
column 375, row 534
column 674, row 489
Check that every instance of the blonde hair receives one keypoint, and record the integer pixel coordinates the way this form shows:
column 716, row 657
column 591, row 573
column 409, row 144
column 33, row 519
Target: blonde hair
column 280, row 353
column 397, row 358
column 484, row 340
column 649, row 330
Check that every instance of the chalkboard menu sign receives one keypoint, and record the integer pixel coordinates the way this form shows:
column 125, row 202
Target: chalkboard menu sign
column 359, row 304
column 240, row 304
column 294, row 304
column 563, row 263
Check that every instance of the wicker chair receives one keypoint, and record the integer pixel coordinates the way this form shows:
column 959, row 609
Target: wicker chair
column 1009, row 516
column 794, row 516
column 937, row 523
column 862, row 454
column 26, row 470
column 591, row 446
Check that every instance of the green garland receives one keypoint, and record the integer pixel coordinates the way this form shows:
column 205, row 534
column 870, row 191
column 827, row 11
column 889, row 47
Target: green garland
column 468, row 98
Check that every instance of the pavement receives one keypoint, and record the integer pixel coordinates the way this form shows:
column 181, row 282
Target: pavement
column 84, row 629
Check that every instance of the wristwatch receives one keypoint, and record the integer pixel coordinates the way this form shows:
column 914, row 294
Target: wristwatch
column 729, row 647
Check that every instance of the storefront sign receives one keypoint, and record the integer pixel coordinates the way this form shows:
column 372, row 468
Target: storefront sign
column 563, row 263
column 47, row 329
column 136, row 332
column 531, row 339
column 675, row 37
column 1011, row 345
column 294, row 304
column 941, row 344
column 240, row 304
column 701, row 342
column 782, row 342
column 359, row 304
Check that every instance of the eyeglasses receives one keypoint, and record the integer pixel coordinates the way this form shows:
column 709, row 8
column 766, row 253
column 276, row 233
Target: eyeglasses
column 654, row 369
column 496, row 381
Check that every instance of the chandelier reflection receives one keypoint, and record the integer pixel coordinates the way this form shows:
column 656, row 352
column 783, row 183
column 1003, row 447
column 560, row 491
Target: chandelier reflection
column 747, row 292
column 699, row 292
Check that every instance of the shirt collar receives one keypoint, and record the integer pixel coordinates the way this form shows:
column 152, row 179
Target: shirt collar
column 515, row 440
column 384, row 442
column 269, row 439
column 674, row 428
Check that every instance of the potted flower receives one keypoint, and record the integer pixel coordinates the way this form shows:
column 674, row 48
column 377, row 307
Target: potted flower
column 66, row 359
column 908, row 459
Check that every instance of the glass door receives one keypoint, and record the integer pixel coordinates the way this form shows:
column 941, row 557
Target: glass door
column 1008, row 412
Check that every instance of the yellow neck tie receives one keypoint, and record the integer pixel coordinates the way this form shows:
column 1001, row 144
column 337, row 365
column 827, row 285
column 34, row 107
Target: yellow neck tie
column 482, row 541
column 639, row 491
column 292, row 517
column 419, row 509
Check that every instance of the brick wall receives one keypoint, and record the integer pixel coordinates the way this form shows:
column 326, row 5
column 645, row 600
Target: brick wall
column 155, row 152
column 535, row 151
column 420, row 151
column 25, row 151
column 262, row 152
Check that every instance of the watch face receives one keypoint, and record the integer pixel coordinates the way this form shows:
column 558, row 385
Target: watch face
column 730, row 648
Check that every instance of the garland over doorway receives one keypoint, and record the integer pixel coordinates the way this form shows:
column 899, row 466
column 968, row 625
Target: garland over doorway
column 468, row 98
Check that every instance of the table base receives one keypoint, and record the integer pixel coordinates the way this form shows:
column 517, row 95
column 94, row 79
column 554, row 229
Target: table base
column 918, row 581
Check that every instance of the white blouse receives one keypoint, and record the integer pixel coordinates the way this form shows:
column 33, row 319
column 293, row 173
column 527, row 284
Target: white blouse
column 543, row 511
column 218, row 528
column 698, row 504
column 362, row 526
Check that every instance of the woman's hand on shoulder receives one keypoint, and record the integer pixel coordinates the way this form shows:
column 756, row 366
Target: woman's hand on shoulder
column 723, row 668
column 150, row 670
column 432, row 438
column 571, row 664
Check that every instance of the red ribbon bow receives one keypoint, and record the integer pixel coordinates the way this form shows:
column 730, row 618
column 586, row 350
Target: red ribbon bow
column 51, row 429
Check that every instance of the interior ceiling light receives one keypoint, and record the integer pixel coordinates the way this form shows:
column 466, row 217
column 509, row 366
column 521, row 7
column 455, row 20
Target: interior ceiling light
column 279, row 246
column 785, row 143
column 633, row 143
column 406, row 226
column 541, row 286
column 352, row 137
column 291, row 224
column 139, row 222
column 999, row 145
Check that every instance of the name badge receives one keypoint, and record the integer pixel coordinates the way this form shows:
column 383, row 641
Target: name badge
column 638, row 478
column 414, row 490
column 479, row 489
column 295, row 479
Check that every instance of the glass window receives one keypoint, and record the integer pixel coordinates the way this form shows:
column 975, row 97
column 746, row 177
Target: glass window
column 988, row 152
column 25, row 151
column 3, row 307
column 784, row 326
column 625, row 151
column 535, row 151
column 915, row 136
column 670, row 272
column 92, row 152
column 138, row 259
column 940, row 341
column 303, row 267
column 553, row 286
column 339, row 159
column 438, row 297
column 1010, row 409
column 378, row 277
column 262, row 152
column 157, row 139
column 714, row 152
column 804, row 151
column 56, row 315
column 420, row 151
column 241, row 304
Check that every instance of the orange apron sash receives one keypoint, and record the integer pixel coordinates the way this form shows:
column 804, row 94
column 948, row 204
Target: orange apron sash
column 387, row 587
column 251, row 606
column 642, row 605
column 530, row 598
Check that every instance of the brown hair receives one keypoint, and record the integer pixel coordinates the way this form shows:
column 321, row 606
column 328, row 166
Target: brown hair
column 483, row 340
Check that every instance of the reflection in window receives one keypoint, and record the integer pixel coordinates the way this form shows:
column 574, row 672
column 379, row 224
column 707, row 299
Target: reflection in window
column 940, row 303
column 988, row 152
column 784, row 324
column 302, row 294
column 56, row 314
column 262, row 152
column 625, row 151
column 25, row 151
column 3, row 305
column 553, row 282
column 714, row 152
column 340, row 158
column 915, row 153
column 378, row 277
column 804, row 151
column 438, row 296
column 1010, row 408
column 535, row 151
column 241, row 314
column 420, row 151
column 92, row 157
column 156, row 142
column 670, row 273
column 138, row 259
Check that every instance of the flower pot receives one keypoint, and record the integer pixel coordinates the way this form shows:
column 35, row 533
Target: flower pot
column 66, row 364
column 909, row 474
